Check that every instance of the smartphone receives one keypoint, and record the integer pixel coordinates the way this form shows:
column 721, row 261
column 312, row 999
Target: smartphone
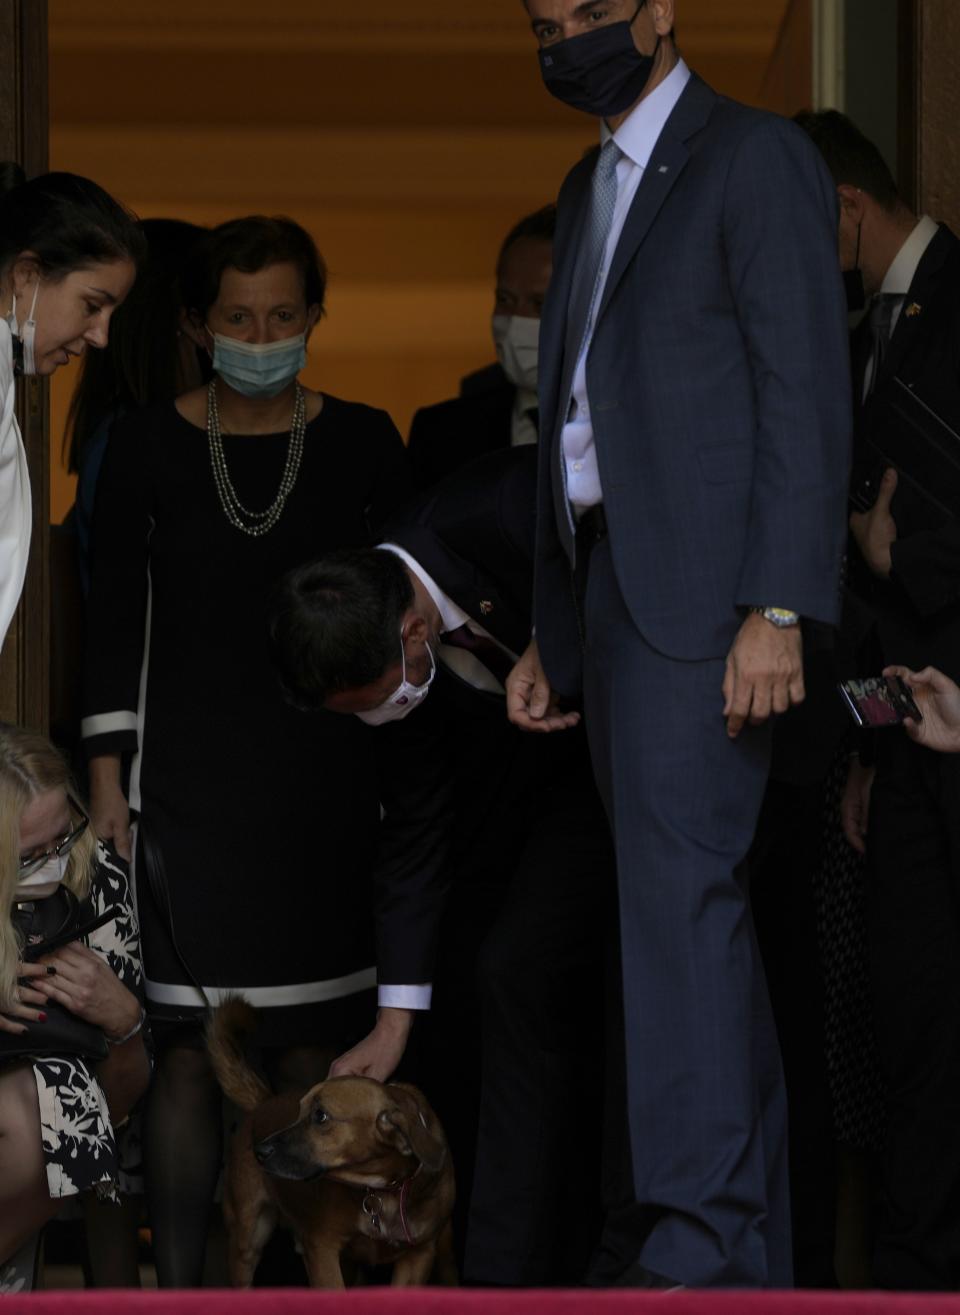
column 878, row 701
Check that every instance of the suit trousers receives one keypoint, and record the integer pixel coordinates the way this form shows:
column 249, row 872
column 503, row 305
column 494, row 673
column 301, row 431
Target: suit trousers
column 706, row 1102
column 913, row 922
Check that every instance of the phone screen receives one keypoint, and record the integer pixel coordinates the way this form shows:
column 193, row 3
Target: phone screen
column 879, row 701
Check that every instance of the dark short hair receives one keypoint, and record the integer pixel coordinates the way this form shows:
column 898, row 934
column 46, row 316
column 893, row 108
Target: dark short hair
column 251, row 244
column 540, row 227
column 852, row 158
column 336, row 623
column 68, row 222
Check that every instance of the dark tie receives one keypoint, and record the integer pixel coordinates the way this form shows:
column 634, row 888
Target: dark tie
column 882, row 310
column 498, row 662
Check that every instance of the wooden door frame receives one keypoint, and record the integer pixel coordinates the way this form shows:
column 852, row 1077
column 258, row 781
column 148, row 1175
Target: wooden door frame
column 24, row 137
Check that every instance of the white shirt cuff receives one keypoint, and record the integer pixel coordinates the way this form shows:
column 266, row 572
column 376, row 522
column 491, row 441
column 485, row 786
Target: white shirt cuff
column 405, row 997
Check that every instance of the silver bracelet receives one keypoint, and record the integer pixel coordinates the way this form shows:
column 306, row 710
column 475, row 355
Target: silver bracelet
column 128, row 1036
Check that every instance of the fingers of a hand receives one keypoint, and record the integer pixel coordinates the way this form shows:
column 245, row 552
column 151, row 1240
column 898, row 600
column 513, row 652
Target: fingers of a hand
column 797, row 689
column 121, row 840
column 782, row 698
column 739, row 708
column 541, row 697
column 888, row 487
column 10, row 1025
column 761, row 703
column 729, row 683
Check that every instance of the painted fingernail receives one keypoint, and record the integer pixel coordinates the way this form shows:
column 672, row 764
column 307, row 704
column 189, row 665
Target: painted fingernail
column 41, row 1018
column 51, row 971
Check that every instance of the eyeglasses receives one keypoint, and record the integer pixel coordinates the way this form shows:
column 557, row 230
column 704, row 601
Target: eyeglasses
column 27, row 866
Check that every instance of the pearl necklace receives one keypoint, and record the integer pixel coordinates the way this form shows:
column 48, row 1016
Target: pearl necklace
column 254, row 523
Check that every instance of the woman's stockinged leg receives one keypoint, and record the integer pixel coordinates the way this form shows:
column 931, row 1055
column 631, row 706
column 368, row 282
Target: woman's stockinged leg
column 182, row 1158
column 25, row 1202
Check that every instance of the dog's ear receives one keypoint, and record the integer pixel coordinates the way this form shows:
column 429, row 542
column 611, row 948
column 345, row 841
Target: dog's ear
column 412, row 1127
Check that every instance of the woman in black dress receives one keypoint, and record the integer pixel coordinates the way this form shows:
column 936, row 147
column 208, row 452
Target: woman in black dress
column 257, row 823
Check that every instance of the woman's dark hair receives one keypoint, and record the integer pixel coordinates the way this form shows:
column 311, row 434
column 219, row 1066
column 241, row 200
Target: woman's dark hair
column 336, row 623
column 66, row 221
column 251, row 244
column 140, row 363
column 851, row 157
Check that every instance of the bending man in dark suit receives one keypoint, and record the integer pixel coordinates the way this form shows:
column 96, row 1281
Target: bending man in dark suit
column 694, row 409
column 905, row 808
column 441, row 608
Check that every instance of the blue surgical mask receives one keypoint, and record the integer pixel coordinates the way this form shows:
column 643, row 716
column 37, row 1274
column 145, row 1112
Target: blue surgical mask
column 404, row 698
column 258, row 369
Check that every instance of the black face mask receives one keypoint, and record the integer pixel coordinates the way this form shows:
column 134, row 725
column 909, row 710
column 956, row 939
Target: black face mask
column 601, row 72
column 853, row 282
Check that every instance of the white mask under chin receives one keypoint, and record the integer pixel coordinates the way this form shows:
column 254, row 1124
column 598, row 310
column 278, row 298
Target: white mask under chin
column 517, row 339
column 404, row 698
column 27, row 333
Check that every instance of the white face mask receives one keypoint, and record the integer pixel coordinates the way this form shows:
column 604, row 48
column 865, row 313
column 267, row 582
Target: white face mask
column 404, row 698
column 51, row 874
column 517, row 339
column 28, row 333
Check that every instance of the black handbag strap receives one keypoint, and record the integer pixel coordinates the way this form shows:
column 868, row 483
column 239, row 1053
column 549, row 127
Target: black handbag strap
column 156, row 873
column 33, row 952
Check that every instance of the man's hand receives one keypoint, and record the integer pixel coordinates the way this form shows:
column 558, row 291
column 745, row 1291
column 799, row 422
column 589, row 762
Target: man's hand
column 379, row 1053
column 875, row 530
column 855, row 804
column 764, row 673
column 531, row 703
column 938, row 700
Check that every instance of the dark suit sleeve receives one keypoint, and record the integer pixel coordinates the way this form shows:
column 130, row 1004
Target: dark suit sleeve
column 411, row 875
column 117, row 606
column 780, row 241
column 394, row 483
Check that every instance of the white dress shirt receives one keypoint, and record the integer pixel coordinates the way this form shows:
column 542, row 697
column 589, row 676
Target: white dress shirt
column 900, row 275
column 636, row 137
column 469, row 668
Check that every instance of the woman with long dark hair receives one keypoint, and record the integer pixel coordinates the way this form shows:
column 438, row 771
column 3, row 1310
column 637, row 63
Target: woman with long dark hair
column 68, row 257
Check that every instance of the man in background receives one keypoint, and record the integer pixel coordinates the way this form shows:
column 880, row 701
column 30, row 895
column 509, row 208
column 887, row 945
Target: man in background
column 904, row 809
column 497, row 407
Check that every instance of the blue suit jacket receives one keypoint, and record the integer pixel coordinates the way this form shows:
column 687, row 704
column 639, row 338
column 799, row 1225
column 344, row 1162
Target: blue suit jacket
column 719, row 387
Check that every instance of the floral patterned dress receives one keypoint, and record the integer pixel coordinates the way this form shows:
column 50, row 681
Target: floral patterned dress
column 79, row 1143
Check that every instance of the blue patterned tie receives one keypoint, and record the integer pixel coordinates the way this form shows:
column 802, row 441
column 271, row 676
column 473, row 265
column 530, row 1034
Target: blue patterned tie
column 584, row 295
column 586, row 275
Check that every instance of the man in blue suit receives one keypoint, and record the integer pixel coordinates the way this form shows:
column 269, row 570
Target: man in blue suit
column 695, row 414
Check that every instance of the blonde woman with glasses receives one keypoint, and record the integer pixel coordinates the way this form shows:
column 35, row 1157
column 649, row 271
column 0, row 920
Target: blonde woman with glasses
column 72, row 1056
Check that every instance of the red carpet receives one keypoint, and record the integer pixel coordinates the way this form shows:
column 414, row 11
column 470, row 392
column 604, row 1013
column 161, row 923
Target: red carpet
column 380, row 1301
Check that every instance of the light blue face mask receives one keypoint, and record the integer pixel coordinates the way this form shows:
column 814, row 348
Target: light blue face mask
column 259, row 369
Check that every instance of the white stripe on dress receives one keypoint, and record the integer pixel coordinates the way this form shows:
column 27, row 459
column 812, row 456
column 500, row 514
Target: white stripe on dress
column 265, row 997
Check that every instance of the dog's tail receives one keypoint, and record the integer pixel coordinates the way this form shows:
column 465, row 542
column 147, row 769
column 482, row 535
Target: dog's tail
column 229, row 1024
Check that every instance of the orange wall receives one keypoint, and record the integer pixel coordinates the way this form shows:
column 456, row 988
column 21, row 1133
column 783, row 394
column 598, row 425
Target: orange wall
column 406, row 138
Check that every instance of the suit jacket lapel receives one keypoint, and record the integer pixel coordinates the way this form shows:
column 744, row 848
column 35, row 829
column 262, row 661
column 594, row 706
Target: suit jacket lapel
column 669, row 158
column 912, row 319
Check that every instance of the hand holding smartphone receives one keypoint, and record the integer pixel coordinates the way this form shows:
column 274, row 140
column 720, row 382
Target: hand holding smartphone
column 878, row 701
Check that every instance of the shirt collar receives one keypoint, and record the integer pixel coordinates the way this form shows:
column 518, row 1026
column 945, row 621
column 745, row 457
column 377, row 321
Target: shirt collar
column 451, row 616
column 639, row 132
column 904, row 268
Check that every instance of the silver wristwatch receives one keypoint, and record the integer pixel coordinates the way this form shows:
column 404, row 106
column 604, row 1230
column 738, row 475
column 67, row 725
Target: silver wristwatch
column 781, row 617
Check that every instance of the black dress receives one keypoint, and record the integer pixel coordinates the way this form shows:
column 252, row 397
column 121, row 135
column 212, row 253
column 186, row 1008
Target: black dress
column 266, row 817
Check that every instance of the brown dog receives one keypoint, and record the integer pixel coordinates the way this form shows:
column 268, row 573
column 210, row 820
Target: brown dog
column 362, row 1174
